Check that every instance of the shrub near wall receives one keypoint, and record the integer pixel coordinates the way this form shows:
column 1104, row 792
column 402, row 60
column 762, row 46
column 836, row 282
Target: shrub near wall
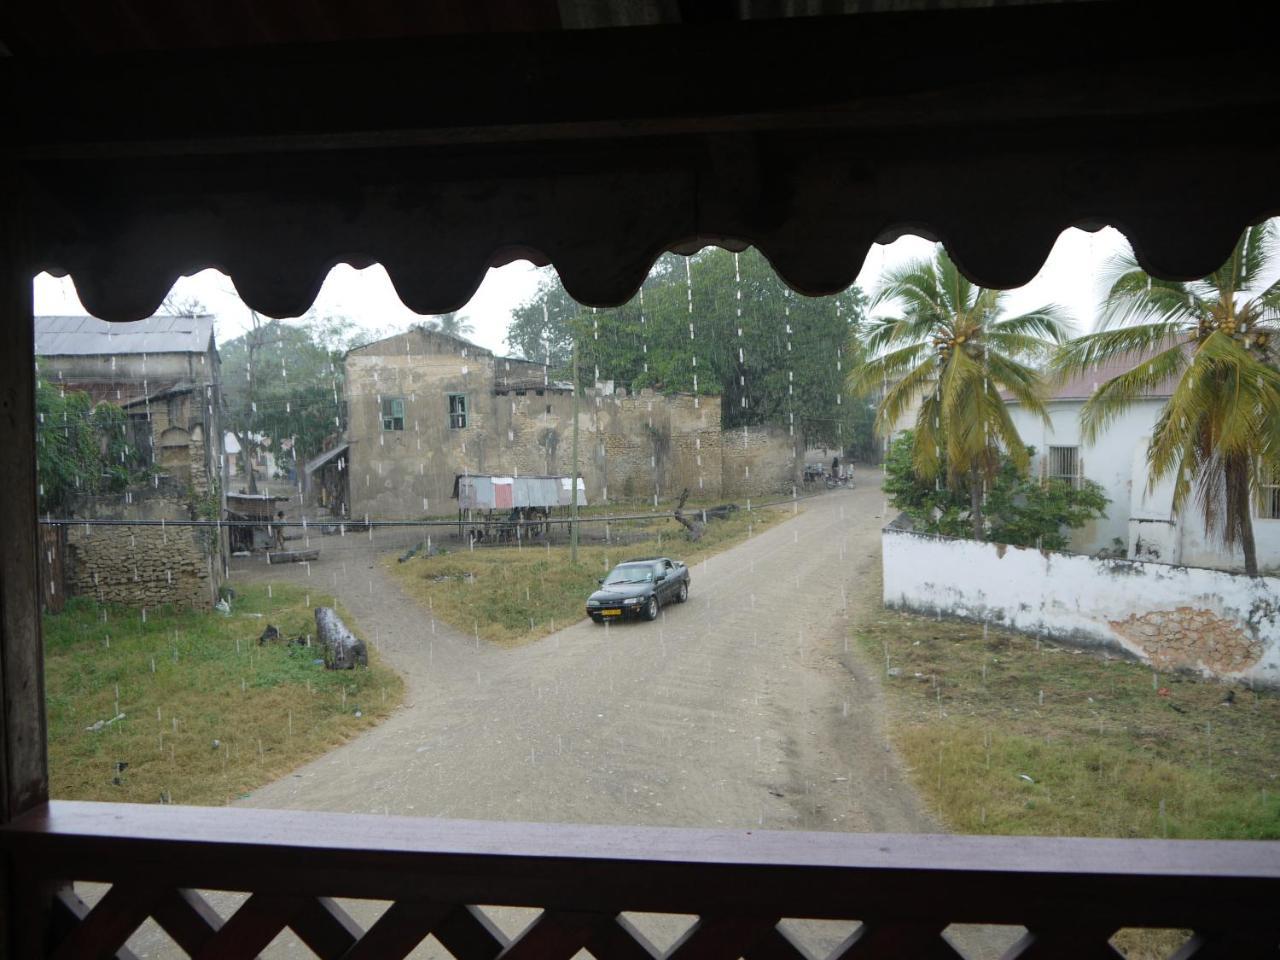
column 1216, row 623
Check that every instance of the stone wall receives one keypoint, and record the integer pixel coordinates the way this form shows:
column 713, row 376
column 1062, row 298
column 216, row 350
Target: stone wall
column 138, row 566
column 1210, row 621
column 631, row 447
column 141, row 566
column 760, row 462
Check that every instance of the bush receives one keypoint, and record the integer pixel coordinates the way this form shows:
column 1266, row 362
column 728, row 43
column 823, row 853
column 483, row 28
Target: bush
column 1020, row 511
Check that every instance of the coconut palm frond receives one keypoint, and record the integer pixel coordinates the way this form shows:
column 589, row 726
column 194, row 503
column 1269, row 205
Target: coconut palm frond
column 1018, row 345
column 900, row 397
column 1113, row 397
column 1257, row 248
column 1023, row 383
column 1135, row 297
column 1247, row 396
column 871, row 375
column 1004, row 427
column 1268, row 301
column 914, row 286
column 1081, row 355
column 1047, row 323
column 926, row 451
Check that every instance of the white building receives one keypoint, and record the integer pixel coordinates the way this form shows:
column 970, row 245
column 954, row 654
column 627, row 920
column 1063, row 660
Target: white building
column 1140, row 522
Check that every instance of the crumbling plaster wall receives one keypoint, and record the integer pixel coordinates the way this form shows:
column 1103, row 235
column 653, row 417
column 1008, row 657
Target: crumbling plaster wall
column 409, row 472
column 1216, row 623
column 630, row 446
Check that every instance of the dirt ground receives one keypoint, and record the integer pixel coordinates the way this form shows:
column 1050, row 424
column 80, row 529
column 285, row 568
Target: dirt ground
column 745, row 707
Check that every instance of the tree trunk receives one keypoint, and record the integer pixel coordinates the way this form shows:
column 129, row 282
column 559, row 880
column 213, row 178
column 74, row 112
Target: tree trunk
column 1241, row 504
column 975, row 503
column 694, row 528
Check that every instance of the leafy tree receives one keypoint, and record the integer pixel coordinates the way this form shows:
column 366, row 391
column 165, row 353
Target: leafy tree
column 283, row 380
column 1216, row 339
column 82, row 449
column 774, row 357
column 951, row 352
column 1020, row 511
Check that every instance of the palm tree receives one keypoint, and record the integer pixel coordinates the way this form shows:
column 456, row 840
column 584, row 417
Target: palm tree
column 1216, row 338
column 453, row 323
column 952, row 352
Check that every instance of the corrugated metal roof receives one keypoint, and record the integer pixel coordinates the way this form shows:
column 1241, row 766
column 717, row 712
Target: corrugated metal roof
column 316, row 463
column 89, row 336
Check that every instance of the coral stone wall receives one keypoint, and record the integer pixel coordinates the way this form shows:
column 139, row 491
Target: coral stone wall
column 1173, row 617
column 760, row 462
column 631, row 447
column 142, row 566
column 1191, row 637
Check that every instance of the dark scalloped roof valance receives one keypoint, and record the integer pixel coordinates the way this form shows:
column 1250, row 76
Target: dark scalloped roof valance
column 991, row 130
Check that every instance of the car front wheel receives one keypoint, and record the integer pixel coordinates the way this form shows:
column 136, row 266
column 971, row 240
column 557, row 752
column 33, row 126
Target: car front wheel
column 651, row 609
column 683, row 595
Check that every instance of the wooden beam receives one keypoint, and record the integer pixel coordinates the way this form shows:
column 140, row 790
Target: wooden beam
column 24, row 767
column 24, row 773
column 892, row 879
column 951, row 68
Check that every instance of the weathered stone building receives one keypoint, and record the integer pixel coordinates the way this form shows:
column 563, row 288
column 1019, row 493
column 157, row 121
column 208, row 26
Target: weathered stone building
column 425, row 406
column 164, row 372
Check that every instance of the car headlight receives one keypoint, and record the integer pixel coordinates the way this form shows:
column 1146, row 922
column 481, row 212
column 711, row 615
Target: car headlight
column 633, row 600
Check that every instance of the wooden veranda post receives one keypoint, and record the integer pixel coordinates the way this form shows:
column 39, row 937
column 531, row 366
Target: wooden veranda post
column 573, row 483
column 24, row 770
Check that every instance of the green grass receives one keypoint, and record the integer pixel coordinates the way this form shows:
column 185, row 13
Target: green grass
column 184, row 679
column 521, row 594
column 1111, row 749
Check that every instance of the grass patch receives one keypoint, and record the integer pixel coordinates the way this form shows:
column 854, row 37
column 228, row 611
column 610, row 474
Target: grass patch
column 186, row 679
column 1003, row 734
column 512, row 595
column 1111, row 748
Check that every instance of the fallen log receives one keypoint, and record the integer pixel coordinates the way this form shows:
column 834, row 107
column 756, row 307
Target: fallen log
column 293, row 556
column 343, row 650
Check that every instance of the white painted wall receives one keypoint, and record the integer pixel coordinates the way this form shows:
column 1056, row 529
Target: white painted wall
column 1108, row 462
column 1077, row 599
column 1139, row 517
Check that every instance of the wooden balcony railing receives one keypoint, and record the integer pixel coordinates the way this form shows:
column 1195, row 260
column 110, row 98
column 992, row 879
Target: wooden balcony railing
column 1071, row 895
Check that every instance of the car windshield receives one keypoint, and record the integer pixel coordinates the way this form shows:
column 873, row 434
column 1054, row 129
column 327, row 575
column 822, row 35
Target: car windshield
column 630, row 573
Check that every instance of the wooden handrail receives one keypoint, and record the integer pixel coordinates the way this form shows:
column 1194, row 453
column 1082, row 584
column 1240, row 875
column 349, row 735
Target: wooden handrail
column 1037, row 882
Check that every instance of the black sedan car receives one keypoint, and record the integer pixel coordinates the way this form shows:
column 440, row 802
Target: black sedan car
column 639, row 588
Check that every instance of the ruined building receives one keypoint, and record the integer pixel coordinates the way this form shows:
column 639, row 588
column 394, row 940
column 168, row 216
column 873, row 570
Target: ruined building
column 164, row 373
column 425, row 406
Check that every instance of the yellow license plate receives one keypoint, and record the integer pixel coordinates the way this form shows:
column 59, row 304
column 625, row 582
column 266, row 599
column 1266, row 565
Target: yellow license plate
column 611, row 613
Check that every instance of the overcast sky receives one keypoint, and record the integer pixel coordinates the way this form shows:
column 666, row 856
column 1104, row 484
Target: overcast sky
column 1069, row 278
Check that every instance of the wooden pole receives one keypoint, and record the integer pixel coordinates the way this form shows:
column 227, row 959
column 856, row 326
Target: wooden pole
column 573, row 484
column 24, row 767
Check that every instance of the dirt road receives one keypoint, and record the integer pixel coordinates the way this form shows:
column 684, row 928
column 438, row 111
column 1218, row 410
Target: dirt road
column 745, row 706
